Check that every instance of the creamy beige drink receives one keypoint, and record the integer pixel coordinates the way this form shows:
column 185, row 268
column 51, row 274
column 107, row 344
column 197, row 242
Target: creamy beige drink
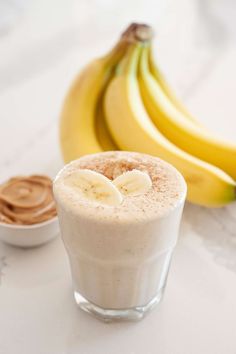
column 120, row 253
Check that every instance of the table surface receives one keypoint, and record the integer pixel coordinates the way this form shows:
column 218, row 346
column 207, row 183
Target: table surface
column 47, row 44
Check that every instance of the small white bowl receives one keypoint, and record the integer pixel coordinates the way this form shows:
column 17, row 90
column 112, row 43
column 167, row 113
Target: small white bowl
column 29, row 235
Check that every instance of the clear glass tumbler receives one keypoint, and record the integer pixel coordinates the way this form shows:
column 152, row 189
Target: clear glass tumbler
column 119, row 269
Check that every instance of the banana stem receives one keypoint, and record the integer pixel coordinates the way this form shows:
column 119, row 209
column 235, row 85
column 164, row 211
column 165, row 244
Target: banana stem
column 135, row 34
column 116, row 53
column 129, row 63
column 144, row 60
column 138, row 32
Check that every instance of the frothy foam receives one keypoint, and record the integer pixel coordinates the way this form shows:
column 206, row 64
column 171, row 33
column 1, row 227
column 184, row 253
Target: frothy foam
column 168, row 187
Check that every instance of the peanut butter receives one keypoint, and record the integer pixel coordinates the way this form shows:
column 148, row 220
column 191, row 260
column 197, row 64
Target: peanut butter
column 26, row 200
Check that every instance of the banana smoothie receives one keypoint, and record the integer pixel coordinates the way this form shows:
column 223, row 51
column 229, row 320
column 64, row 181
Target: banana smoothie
column 119, row 215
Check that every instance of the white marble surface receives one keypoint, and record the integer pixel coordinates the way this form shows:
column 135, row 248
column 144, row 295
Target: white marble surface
column 39, row 55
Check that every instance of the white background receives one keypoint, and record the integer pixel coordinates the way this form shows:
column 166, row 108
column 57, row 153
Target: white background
column 42, row 47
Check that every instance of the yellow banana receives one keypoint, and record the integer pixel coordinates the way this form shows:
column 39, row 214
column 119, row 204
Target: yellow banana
column 78, row 134
column 103, row 135
column 132, row 129
column 157, row 75
column 182, row 132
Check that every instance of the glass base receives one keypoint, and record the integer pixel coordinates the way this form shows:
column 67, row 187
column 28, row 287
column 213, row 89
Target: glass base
column 109, row 315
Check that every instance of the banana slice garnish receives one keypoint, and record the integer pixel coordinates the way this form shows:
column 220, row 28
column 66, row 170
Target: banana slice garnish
column 133, row 183
column 95, row 187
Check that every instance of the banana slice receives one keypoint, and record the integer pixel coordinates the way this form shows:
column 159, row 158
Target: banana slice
column 95, row 186
column 133, row 182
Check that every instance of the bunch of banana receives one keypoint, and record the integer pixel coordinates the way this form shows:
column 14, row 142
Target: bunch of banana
column 121, row 101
